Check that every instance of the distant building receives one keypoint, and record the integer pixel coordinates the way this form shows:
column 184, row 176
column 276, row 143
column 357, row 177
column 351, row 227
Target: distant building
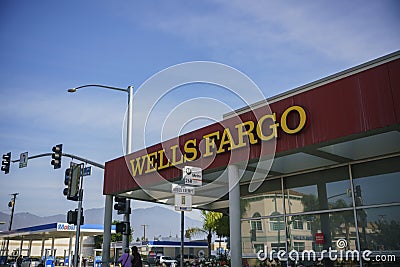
column 53, row 239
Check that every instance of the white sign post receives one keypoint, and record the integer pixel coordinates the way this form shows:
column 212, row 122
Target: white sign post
column 183, row 196
column 192, row 176
column 182, row 189
column 183, row 202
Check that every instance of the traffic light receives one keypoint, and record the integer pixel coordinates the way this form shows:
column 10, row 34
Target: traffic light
column 121, row 205
column 123, row 228
column 358, row 191
column 56, row 156
column 67, row 180
column 72, row 217
column 357, row 195
column 72, row 181
column 5, row 164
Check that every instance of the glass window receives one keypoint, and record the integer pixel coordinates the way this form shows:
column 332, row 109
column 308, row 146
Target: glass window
column 332, row 226
column 278, row 246
column 256, row 224
column 308, row 225
column 269, row 238
column 299, row 246
column 342, row 227
column 271, row 200
column 385, row 173
column 276, row 226
column 305, row 236
column 322, row 190
column 258, row 247
column 379, row 228
column 297, row 225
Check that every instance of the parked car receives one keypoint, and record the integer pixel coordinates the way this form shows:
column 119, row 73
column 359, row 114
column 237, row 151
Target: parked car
column 32, row 262
column 165, row 261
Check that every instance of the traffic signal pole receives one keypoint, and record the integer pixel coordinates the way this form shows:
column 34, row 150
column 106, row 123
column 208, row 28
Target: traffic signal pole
column 11, row 218
column 88, row 161
column 78, row 226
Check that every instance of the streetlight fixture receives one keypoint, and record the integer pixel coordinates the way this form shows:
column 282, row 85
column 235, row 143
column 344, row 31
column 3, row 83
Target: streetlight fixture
column 109, row 198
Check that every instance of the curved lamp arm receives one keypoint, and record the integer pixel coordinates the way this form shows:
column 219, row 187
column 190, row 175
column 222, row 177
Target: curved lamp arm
column 72, row 90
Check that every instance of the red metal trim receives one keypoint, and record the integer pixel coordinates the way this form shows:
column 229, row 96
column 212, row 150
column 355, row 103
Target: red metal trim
column 359, row 103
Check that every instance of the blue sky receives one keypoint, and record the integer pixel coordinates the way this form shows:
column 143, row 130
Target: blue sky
column 47, row 47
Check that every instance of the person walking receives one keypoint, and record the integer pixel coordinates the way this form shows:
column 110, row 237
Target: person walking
column 137, row 259
column 19, row 261
column 126, row 259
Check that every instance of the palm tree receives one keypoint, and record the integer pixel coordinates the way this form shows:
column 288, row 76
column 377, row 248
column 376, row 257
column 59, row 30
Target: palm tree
column 210, row 224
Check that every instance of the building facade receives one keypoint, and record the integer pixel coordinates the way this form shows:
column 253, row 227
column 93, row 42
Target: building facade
column 316, row 168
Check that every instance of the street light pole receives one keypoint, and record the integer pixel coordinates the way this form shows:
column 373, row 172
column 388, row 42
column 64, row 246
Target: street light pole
column 109, row 198
column 125, row 237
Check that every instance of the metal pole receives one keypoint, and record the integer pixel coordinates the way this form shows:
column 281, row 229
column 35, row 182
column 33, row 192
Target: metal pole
column 182, row 237
column 234, row 215
column 107, row 230
column 78, row 227
column 12, row 210
column 125, row 237
column 88, row 161
column 11, row 219
column 144, row 231
column 109, row 199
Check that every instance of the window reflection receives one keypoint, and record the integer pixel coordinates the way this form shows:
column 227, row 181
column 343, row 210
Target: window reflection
column 301, row 230
column 329, row 189
column 314, row 211
column 272, row 237
column 342, row 226
column 262, row 205
column 379, row 228
column 256, row 223
column 367, row 176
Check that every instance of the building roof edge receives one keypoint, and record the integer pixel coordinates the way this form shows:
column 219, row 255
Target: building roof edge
column 309, row 86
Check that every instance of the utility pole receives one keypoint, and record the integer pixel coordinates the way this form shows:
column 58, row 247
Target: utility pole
column 144, row 231
column 11, row 204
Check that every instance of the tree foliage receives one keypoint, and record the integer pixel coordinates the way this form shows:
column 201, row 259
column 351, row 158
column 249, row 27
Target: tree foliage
column 98, row 240
column 211, row 219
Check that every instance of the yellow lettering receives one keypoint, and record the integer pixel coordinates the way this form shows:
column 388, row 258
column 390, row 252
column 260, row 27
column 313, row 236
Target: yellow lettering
column 151, row 164
column 274, row 133
column 138, row 167
column 242, row 132
column 226, row 139
column 210, row 143
column 190, row 150
column 161, row 157
column 174, row 156
column 302, row 120
column 265, row 129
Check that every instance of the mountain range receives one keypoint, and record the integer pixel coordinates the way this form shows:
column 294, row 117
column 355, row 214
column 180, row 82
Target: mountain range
column 158, row 221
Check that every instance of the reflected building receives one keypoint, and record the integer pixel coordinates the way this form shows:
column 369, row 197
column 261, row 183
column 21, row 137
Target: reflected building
column 358, row 203
column 268, row 231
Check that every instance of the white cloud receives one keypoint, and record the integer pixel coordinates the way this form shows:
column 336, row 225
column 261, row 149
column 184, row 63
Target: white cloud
column 351, row 32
